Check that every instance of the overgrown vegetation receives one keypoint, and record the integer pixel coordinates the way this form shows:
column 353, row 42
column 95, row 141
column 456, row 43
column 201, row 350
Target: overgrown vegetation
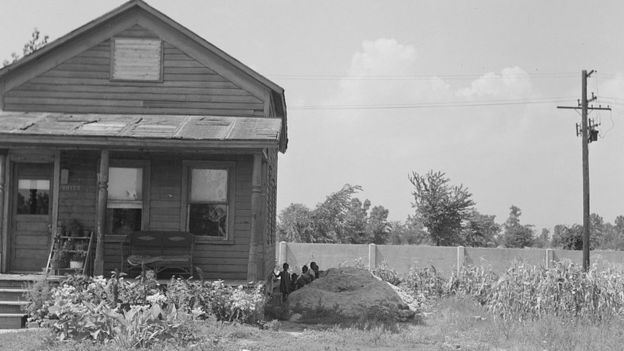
column 139, row 313
column 524, row 292
column 125, row 314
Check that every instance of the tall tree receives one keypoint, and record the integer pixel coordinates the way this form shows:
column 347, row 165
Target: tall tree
column 330, row 216
column 295, row 224
column 378, row 226
column 568, row 238
column 602, row 235
column 440, row 206
column 479, row 230
column 355, row 231
column 516, row 234
column 35, row 43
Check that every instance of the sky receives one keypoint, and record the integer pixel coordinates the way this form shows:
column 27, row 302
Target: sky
column 377, row 90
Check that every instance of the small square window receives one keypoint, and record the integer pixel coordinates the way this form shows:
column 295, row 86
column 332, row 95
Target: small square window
column 33, row 196
column 136, row 59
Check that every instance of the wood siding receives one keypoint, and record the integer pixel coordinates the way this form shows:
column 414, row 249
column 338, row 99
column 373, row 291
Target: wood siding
column 78, row 200
column 216, row 260
column 82, row 84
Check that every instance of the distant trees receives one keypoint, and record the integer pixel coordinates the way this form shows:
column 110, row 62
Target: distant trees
column 341, row 218
column 440, row 206
column 602, row 235
column 412, row 232
column 569, row 238
column 444, row 214
column 479, row 230
column 295, row 224
column 516, row 234
column 35, row 43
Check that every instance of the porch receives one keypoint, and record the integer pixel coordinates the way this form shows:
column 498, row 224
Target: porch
column 113, row 184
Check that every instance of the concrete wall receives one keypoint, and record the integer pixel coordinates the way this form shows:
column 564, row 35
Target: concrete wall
column 445, row 259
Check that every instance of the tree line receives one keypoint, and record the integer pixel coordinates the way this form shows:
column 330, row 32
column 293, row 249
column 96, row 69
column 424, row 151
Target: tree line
column 444, row 215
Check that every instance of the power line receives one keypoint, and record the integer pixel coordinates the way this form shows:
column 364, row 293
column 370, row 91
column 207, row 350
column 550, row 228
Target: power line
column 448, row 104
column 428, row 77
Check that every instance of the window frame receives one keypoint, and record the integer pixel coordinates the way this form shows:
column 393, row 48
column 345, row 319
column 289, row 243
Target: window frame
column 161, row 66
column 146, row 166
column 230, row 167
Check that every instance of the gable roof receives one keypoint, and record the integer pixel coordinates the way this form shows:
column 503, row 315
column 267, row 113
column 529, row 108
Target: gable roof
column 276, row 92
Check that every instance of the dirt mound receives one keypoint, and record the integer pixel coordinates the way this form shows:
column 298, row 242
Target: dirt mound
column 345, row 294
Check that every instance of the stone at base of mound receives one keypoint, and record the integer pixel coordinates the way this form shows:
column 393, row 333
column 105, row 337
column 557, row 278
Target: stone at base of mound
column 348, row 294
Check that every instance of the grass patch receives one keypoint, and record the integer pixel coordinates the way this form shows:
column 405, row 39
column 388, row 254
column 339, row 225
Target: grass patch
column 450, row 324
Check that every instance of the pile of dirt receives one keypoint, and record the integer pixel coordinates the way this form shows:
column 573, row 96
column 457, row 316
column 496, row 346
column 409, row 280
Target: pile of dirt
column 348, row 294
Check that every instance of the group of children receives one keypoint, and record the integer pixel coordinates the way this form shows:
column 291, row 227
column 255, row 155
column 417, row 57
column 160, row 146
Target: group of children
column 291, row 282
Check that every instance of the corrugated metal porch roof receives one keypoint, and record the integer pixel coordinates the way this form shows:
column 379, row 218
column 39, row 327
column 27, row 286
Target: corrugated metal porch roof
column 151, row 127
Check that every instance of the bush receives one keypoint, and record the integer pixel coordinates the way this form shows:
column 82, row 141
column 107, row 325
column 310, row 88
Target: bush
column 139, row 313
column 39, row 294
column 387, row 274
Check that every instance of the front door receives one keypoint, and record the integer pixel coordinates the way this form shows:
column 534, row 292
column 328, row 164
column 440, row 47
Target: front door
column 31, row 214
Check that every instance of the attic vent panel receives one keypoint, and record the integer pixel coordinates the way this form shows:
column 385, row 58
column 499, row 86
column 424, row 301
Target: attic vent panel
column 137, row 59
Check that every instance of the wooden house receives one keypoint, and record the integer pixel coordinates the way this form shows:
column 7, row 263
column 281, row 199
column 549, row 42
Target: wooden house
column 134, row 123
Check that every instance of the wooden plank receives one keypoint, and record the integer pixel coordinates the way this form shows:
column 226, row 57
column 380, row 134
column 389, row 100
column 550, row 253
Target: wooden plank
column 75, row 74
column 101, row 212
column 130, row 89
column 198, row 77
column 165, row 204
column 91, row 60
column 90, row 67
column 188, row 70
column 3, row 218
column 56, row 184
column 182, row 63
column 91, row 81
column 59, row 94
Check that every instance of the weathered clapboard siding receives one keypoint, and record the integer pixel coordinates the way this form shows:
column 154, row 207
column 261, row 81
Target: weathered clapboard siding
column 77, row 199
column 216, row 260
column 83, row 84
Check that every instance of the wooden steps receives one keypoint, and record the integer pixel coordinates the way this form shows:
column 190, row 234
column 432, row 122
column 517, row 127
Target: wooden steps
column 13, row 288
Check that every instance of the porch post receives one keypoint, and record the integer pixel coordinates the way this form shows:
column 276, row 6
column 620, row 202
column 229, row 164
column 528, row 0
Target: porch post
column 255, row 266
column 3, row 252
column 98, row 266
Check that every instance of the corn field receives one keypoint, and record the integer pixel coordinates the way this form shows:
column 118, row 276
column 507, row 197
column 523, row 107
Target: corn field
column 526, row 292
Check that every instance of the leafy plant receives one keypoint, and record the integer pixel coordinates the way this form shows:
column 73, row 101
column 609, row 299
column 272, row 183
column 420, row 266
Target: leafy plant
column 387, row 274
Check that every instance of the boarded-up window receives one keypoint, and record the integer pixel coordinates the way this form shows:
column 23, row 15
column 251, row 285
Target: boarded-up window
column 137, row 59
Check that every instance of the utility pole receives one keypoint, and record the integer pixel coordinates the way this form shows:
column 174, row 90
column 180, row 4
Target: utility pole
column 588, row 134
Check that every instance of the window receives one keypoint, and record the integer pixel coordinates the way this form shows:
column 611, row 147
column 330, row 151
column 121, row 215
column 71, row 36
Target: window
column 136, row 59
column 33, row 196
column 124, row 212
column 208, row 198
